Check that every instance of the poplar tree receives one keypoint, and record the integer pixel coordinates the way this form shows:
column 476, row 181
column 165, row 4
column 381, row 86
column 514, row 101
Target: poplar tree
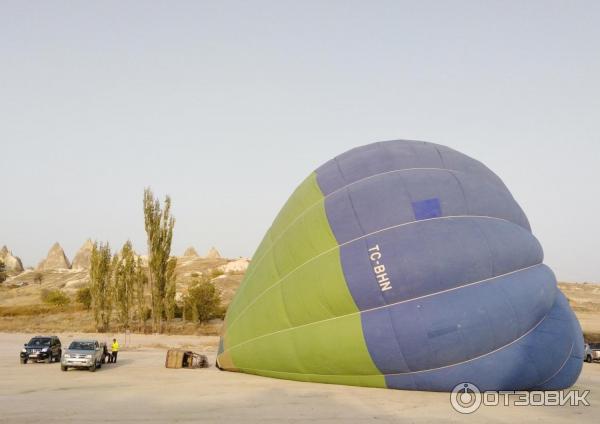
column 159, row 230
column 2, row 271
column 139, row 286
column 125, row 273
column 171, row 290
column 100, row 285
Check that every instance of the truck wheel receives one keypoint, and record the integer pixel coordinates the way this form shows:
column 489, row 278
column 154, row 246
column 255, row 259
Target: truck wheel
column 100, row 364
column 59, row 357
column 93, row 367
column 63, row 368
column 588, row 359
column 49, row 358
column 23, row 360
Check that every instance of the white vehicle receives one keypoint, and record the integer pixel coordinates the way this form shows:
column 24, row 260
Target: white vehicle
column 592, row 352
column 83, row 354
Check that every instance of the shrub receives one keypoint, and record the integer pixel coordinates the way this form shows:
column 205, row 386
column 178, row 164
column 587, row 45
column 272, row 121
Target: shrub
column 84, row 296
column 220, row 312
column 55, row 297
column 216, row 272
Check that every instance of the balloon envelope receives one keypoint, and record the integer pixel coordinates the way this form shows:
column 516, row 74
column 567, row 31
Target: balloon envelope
column 406, row 265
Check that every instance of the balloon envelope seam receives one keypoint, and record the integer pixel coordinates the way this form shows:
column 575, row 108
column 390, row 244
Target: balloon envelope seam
column 388, row 305
column 436, row 368
column 325, row 196
column 561, row 366
column 404, row 224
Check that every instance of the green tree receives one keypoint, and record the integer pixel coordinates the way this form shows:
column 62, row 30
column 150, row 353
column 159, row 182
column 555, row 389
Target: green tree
column 171, row 290
column 2, row 272
column 202, row 302
column 159, row 230
column 84, row 296
column 100, row 285
column 124, row 273
column 139, row 285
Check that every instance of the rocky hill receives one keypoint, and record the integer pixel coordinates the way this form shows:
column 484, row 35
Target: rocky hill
column 55, row 272
column 584, row 298
column 13, row 263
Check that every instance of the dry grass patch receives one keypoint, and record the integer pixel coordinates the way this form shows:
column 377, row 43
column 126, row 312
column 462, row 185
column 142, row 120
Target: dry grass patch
column 36, row 309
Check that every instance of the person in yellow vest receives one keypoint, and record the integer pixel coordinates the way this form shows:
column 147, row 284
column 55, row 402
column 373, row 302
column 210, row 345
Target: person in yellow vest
column 114, row 351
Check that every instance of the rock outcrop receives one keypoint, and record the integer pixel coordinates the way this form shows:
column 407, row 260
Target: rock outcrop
column 237, row 266
column 56, row 259
column 83, row 256
column 13, row 263
column 213, row 253
column 190, row 251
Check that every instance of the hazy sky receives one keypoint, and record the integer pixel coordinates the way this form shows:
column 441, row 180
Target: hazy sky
column 227, row 106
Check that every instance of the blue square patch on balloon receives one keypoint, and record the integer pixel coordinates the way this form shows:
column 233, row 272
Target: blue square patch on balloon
column 426, row 209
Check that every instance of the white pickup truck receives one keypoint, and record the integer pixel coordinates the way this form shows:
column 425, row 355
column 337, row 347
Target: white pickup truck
column 88, row 354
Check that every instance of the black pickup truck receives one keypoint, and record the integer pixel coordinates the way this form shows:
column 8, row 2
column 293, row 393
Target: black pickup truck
column 41, row 348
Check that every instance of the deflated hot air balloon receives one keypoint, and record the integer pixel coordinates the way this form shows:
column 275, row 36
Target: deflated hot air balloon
column 406, row 265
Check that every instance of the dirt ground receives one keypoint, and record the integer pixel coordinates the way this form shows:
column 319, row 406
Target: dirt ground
column 140, row 389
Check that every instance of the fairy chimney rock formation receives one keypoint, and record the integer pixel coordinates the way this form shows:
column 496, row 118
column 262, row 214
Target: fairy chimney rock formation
column 213, row 253
column 190, row 251
column 56, row 259
column 83, row 256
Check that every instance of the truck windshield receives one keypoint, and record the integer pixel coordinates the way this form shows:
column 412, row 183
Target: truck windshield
column 81, row 346
column 39, row 341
